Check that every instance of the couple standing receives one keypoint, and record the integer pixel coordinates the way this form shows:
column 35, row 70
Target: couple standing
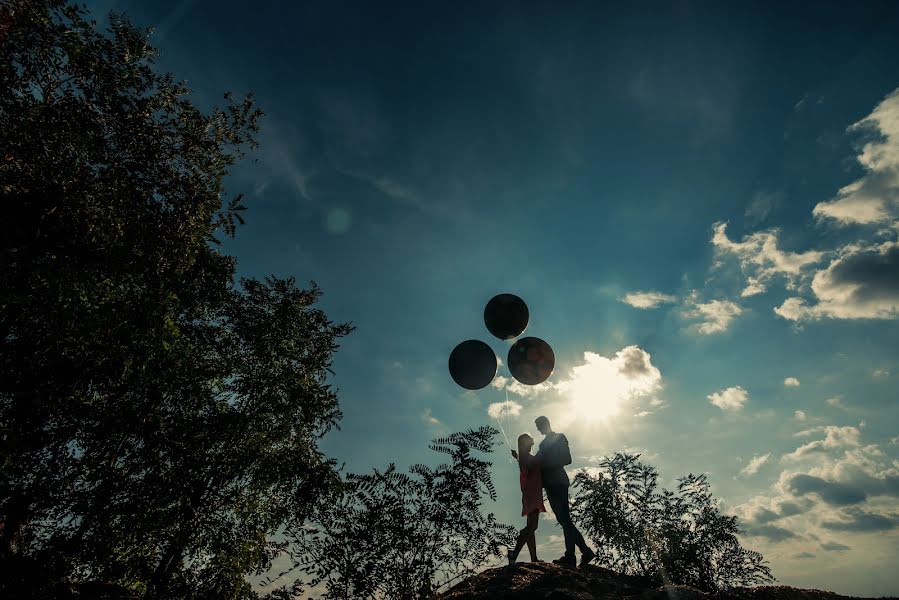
column 546, row 470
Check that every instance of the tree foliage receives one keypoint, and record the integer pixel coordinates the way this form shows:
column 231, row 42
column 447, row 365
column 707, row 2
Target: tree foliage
column 404, row 535
column 158, row 420
column 671, row 536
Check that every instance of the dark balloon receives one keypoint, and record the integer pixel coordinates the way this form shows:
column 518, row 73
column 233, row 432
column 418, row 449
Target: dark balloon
column 472, row 364
column 531, row 360
column 506, row 316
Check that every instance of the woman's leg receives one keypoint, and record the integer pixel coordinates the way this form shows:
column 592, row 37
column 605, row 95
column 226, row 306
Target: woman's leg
column 533, row 522
column 523, row 537
column 532, row 547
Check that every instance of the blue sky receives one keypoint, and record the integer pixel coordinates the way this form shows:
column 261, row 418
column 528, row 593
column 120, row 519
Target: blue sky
column 698, row 201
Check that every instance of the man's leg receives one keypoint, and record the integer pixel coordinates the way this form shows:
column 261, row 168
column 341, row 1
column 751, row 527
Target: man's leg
column 573, row 537
column 558, row 501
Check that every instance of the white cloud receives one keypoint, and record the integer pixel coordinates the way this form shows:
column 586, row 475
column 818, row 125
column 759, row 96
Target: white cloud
column 732, row 398
column 519, row 389
column 800, row 415
column 849, row 492
column 428, row 418
column 791, row 382
column 834, row 438
column 761, row 259
column 509, row 408
column 754, row 465
column 874, row 197
column 500, row 382
column 599, row 386
column 862, row 279
column 716, row 315
column 881, row 373
column 647, row 299
column 835, row 401
column 862, row 282
column 754, row 286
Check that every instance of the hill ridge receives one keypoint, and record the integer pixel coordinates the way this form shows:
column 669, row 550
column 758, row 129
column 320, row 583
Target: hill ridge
column 547, row 581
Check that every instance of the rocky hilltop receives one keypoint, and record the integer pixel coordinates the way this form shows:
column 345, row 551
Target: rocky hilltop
column 546, row 581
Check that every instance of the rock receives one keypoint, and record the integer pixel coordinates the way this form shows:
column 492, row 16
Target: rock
column 547, row 581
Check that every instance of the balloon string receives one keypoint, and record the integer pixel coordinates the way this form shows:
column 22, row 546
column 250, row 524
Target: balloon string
column 504, row 432
column 501, row 425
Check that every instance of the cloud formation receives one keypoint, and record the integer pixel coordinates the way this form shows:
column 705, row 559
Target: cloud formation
column 509, row 408
column 429, row 418
column 601, row 385
column 754, row 465
column 834, row 547
column 849, row 488
column 862, row 282
column 834, row 437
column 597, row 388
column 833, row 493
column 761, row 259
column 716, row 316
column 772, row 533
column 874, row 197
column 791, row 382
column 732, row 398
column 857, row 520
column 516, row 387
column 645, row 300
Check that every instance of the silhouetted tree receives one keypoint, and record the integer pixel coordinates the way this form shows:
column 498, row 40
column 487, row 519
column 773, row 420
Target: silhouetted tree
column 673, row 537
column 404, row 535
column 158, row 421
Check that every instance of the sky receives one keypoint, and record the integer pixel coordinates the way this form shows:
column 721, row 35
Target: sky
column 698, row 201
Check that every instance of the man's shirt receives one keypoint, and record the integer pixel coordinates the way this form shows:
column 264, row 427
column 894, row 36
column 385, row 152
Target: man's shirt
column 554, row 455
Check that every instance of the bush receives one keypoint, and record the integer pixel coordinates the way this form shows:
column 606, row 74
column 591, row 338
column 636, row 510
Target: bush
column 676, row 537
column 404, row 535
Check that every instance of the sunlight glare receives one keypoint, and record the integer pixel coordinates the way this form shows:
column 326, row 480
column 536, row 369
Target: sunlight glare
column 598, row 389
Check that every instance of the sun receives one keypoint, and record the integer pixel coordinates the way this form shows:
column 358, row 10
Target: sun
column 592, row 399
column 598, row 389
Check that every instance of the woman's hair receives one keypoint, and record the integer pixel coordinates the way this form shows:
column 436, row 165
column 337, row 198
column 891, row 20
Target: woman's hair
column 523, row 439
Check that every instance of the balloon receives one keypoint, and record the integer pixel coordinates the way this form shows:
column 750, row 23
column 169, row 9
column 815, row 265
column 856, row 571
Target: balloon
column 506, row 316
column 531, row 360
column 472, row 364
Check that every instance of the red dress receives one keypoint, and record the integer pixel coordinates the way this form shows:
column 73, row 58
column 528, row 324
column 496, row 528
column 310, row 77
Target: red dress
column 531, row 485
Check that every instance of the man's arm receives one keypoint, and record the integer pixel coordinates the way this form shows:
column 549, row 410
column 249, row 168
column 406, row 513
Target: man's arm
column 564, row 451
column 556, row 454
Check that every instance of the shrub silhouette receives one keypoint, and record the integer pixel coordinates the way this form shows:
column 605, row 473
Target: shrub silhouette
column 404, row 535
column 670, row 536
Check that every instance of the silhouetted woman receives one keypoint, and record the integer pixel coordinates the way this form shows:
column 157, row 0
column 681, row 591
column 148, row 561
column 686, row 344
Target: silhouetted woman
column 531, row 497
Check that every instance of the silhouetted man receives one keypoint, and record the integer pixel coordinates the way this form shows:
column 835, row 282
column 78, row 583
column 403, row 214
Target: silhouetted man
column 553, row 456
